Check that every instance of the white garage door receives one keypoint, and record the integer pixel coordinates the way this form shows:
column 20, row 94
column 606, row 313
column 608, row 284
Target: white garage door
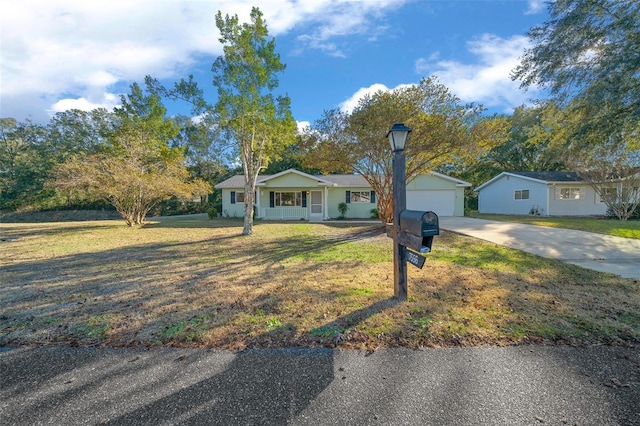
column 441, row 202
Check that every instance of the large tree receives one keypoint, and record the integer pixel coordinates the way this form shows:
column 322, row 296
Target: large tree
column 199, row 138
column 609, row 163
column 258, row 123
column 443, row 131
column 135, row 168
column 614, row 173
column 587, row 55
column 24, row 163
column 528, row 146
column 253, row 121
column 74, row 131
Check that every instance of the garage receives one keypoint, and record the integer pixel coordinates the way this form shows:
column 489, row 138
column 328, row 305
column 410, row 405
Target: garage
column 442, row 202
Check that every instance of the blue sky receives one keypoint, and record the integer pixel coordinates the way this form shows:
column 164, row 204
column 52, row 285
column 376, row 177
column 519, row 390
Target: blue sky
column 57, row 55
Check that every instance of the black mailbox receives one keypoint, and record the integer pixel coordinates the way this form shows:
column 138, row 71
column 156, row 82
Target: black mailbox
column 417, row 229
column 422, row 224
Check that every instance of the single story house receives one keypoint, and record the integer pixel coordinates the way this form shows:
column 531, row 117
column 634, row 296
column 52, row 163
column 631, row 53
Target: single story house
column 294, row 195
column 544, row 193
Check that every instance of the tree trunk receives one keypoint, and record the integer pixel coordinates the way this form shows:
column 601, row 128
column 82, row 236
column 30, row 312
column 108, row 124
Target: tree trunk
column 249, row 188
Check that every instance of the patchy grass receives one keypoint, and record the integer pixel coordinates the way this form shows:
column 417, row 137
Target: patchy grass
column 193, row 282
column 606, row 226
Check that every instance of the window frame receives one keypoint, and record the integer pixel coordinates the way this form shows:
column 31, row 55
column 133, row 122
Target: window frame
column 277, row 199
column 357, row 197
column 573, row 190
column 521, row 193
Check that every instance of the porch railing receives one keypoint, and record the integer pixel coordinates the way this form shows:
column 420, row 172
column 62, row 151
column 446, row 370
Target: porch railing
column 285, row 213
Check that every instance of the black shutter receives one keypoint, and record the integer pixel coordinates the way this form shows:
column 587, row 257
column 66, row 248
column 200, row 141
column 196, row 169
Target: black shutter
column 233, row 197
column 304, row 199
column 373, row 197
column 348, row 197
column 272, row 199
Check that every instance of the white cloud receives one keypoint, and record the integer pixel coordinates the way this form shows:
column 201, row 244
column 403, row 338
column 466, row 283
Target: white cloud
column 339, row 18
column 67, row 50
column 352, row 102
column 302, row 125
column 486, row 81
column 536, row 6
column 71, row 50
column 109, row 101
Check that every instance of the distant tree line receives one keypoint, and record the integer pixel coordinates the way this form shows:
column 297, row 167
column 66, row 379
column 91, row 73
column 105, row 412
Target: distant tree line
column 135, row 158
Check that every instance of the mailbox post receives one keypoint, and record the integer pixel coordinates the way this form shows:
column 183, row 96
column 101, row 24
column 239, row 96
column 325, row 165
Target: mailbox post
column 397, row 138
column 411, row 229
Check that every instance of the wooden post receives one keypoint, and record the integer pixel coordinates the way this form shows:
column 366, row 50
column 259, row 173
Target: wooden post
column 399, row 192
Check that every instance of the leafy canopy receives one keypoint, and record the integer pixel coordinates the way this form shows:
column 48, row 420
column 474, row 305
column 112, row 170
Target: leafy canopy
column 587, row 54
column 258, row 123
column 255, row 124
column 135, row 168
column 442, row 131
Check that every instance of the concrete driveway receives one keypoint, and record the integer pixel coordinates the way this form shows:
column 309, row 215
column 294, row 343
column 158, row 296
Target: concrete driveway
column 620, row 256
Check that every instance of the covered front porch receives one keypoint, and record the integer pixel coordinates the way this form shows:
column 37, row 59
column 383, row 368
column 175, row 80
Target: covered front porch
column 293, row 205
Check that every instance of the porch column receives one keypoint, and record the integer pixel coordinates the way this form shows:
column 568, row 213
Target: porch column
column 258, row 196
column 325, row 205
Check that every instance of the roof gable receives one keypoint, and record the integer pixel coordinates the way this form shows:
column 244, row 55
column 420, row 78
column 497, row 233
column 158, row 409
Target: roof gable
column 458, row 182
column 320, row 180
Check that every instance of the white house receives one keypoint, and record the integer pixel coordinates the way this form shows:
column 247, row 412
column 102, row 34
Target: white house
column 544, row 193
column 294, row 195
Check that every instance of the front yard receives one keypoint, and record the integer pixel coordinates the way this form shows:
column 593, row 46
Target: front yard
column 189, row 281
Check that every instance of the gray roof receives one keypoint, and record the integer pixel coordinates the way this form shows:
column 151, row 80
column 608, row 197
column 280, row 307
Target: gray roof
column 236, row 181
column 346, row 180
column 349, row 181
column 339, row 180
column 551, row 176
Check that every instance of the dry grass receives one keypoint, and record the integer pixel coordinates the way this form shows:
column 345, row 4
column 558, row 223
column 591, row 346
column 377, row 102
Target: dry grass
column 194, row 282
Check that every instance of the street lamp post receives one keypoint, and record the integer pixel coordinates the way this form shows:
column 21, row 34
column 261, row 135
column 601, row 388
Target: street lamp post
column 397, row 138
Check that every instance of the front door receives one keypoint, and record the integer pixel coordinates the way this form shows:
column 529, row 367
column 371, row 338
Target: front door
column 316, row 206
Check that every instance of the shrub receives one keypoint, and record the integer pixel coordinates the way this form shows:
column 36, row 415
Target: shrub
column 342, row 208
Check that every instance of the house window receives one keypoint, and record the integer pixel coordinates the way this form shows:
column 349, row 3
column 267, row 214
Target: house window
column 237, row 197
column 522, row 194
column 360, row 196
column 569, row 193
column 288, row 199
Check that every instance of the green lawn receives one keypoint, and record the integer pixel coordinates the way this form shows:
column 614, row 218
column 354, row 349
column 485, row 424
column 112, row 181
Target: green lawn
column 617, row 228
column 193, row 282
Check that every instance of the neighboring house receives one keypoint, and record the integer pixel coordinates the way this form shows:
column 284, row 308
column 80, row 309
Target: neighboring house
column 294, row 195
column 544, row 193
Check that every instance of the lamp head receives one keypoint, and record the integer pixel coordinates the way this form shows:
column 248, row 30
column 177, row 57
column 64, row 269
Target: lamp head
column 398, row 136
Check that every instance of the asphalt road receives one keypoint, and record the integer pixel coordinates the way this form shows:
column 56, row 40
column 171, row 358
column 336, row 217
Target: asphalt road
column 525, row 385
column 615, row 255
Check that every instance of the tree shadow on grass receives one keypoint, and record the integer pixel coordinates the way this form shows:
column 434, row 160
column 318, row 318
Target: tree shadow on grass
column 334, row 331
column 76, row 298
